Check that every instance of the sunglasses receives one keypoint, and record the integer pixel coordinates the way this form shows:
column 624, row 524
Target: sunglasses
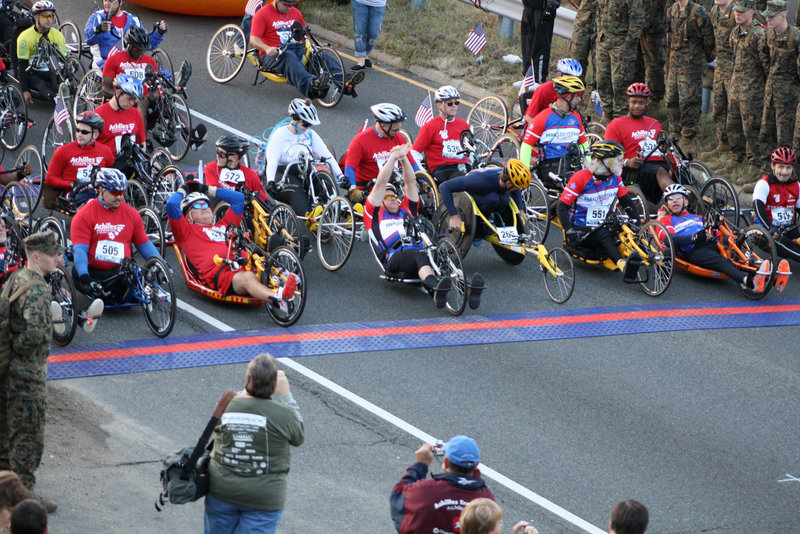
column 199, row 205
column 115, row 193
column 223, row 154
column 391, row 197
column 452, row 103
column 84, row 132
column 674, row 197
column 49, row 16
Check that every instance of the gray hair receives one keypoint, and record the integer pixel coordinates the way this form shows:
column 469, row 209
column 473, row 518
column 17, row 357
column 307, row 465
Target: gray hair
column 261, row 376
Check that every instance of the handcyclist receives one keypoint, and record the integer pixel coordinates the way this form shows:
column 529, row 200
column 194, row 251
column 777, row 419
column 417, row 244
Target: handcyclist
column 698, row 245
column 200, row 239
column 228, row 172
column 440, row 138
column 106, row 26
column 546, row 94
column 555, row 128
column 776, row 199
column 33, row 72
column 282, row 153
column 384, row 217
column 133, row 62
column 492, row 188
column 72, row 163
column 369, row 150
column 586, row 201
column 638, row 134
column 121, row 116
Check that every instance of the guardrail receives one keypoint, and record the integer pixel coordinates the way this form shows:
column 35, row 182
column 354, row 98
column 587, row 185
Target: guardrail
column 512, row 9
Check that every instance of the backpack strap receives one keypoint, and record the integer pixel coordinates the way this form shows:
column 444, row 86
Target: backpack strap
column 203, row 441
column 23, row 289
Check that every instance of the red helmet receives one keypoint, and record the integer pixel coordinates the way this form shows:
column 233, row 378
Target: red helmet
column 638, row 89
column 785, row 155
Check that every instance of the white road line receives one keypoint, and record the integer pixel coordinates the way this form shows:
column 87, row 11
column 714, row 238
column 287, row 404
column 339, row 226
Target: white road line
column 203, row 316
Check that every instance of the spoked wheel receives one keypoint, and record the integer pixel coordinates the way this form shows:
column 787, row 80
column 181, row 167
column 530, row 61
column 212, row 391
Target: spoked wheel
column 136, row 195
column 488, row 119
column 283, row 220
column 515, row 110
column 226, row 53
column 335, row 234
column 464, row 237
column 72, row 38
column 560, row 282
column 52, row 224
column 596, row 128
column 32, row 182
column 654, row 239
column 537, row 208
column 13, row 117
column 693, row 173
column 16, row 204
column 323, row 188
column 283, row 263
column 506, row 146
column 641, row 202
column 164, row 62
column 73, row 72
column 757, row 246
column 62, row 291
column 54, row 137
column 153, row 228
column 159, row 159
column 174, row 126
column 327, row 60
column 167, row 182
column 428, row 194
column 89, row 95
column 448, row 265
column 719, row 196
column 158, row 289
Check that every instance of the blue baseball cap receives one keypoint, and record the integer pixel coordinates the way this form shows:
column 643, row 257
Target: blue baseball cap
column 462, row 451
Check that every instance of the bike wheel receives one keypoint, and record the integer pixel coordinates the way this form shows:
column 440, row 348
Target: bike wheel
column 507, row 255
column 52, row 224
column 757, row 246
column 164, row 62
column 488, row 120
column 16, row 204
column 283, row 220
column 560, row 283
column 226, row 53
column 537, row 208
column 515, row 111
column 447, row 262
column 692, row 173
column 322, row 189
column 428, row 194
column 176, row 123
column 153, row 228
column 283, row 262
column 719, row 197
column 326, row 60
column 33, row 182
column 136, row 195
column 89, row 95
column 72, row 73
column 641, row 202
column 595, row 128
column 335, row 234
column 160, row 158
column 159, row 292
column 53, row 138
column 62, row 291
column 167, row 182
column 13, row 117
column 464, row 237
column 220, row 210
column 656, row 242
column 72, row 38
column 506, row 146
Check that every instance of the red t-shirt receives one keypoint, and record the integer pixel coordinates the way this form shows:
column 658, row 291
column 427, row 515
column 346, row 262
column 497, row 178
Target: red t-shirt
column 543, row 96
column 273, row 27
column 108, row 233
column 72, row 160
column 441, row 144
column 123, row 63
column 635, row 134
column 119, row 21
column 368, row 152
column 119, row 123
column 229, row 178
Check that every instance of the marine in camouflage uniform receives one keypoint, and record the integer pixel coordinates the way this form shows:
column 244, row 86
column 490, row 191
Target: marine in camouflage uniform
column 22, row 382
column 584, row 35
column 723, row 22
column 783, row 82
column 652, row 46
column 691, row 47
column 619, row 26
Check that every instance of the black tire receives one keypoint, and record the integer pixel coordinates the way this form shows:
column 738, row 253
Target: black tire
column 73, row 73
column 508, row 255
column 462, row 240
column 173, row 126
column 282, row 217
column 159, row 159
column 33, row 182
column 153, row 228
column 319, row 65
column 52, row 139
column 159, row 289
column 167, row 182
column 163, row 61
column 281, row 261
column 537, row 209
column 642, row 204
column 136, row 195
column 336, row 231
column 428, row 194
column 655, row 240
column 226, row 53
column 447, row 263
column 62, row 291
column 506, row 146
column 73, row 38
column 719, row 198
column 757, row 247
column 322, row 189
column 693, row 173
column 488, row 120
column 16, row 203
column 220, row 210
column 13, row 117
column 52, row 224
column 559, row 286
column 89, row 95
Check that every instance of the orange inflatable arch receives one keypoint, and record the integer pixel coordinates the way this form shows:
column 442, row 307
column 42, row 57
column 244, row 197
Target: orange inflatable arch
column 206, row 8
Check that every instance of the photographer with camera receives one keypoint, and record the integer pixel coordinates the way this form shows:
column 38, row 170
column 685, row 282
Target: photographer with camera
column 420, row 504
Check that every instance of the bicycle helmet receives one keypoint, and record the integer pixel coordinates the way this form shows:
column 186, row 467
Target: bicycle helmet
column 138, row 38
column 446, row 92
column 638, row 89
column 568, row 84
column 190, row 199
column 607, row 149
column 675, row 189
column 91, row 119
column 570, row 66
column 386, row 112
column 785, row 155
column 518, row 173
column 304, row 110
column 43, row 5
column 233, row 143
column 129, row 85
column 111, row 179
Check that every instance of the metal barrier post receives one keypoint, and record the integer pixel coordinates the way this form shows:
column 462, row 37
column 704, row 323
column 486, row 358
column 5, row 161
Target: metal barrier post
column 506, row 29
column 419, row 4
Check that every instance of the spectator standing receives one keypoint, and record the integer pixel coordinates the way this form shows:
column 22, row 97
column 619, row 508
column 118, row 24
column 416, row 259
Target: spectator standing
column 652, row 47
column 584, row 34
column 628, row 517
column 367, row 21
column 536, row 31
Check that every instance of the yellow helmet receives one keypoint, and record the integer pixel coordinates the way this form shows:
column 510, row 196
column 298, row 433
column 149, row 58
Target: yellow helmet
column 517, row 173
column 568, row 84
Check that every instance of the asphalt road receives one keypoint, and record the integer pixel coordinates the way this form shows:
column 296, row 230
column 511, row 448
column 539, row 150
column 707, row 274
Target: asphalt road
column 700, row 425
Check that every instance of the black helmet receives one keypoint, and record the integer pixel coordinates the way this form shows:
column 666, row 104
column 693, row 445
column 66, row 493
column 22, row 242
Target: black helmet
column 91, row 119
column 138, row 38
column 233, row 143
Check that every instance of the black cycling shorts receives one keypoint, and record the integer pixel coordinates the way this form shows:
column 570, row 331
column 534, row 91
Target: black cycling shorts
column 646, row 178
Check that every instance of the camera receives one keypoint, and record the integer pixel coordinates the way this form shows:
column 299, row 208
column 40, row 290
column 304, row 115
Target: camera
column 438, row 448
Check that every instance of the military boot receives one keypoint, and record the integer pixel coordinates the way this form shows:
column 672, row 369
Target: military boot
column 722, row 149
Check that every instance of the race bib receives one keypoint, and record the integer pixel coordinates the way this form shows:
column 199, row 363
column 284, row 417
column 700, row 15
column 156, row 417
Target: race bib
column 648, row 145
column 451, row 149
column 782, row 216
column 596, row 215
column 84, row 175
column 109, row 251
column 230, row 178
column 508, row 235
column 137, row 73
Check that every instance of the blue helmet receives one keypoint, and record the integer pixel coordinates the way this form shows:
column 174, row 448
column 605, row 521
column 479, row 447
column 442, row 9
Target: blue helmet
column 111, row 179
column 570, row 66
column 130, row 85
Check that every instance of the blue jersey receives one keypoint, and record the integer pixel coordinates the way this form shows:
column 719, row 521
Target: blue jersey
column 590, row 199
column 554, row 133
column 683, row 227
column 102, row 42
column 484, row 186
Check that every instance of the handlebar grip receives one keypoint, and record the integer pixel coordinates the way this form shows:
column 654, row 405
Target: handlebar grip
column 219, row 260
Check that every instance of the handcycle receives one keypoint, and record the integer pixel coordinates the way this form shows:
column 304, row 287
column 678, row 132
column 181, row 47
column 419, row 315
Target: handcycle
column 272, row 269
column 20, row 198
column 170, row 120
column 13, row 115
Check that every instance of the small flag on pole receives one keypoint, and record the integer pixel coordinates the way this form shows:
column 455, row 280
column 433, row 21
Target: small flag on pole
column 115, row 48
column 424, row 113
column 60, row 114
column 476, row 40
column 528, row 82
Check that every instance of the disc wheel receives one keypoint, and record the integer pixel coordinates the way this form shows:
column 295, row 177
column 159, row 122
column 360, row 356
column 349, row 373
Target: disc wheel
column 506, row 147
column 62, row 291
column 448, row 265
column 282, row 263
column 136, row 195
column 327, row 61
column 16, row 204
column 719, row 197
column 153, row 228
column 33, row 181
column 428, row 194
column 226, row 53
column 13, row 117
column 53, row 138
column 560, row 283
column 757, row 246
column 655, row 240
column 335, row 233
column 537, row 208
column 488, row 120
column 282, row 219
column 464, row 237
column 159, row 294
column 89, row 95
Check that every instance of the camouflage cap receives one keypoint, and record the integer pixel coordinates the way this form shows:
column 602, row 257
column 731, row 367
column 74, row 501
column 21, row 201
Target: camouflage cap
column 774, row 7
column 743, row 5
column 46, row 242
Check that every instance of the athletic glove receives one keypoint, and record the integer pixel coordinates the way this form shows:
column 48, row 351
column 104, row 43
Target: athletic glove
column 699, row 237
column 574, row 237
column 355, row 195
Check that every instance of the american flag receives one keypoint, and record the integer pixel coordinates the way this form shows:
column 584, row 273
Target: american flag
column 60, row 114
column 424, row 113
column 116, row 48
column 476, row 40
column 528, row 82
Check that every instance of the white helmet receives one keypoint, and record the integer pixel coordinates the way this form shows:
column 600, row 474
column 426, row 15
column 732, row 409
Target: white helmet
column 447, row 92
column 570, row 66
column 190, row 199
column 305, row 111
column 386, row 112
